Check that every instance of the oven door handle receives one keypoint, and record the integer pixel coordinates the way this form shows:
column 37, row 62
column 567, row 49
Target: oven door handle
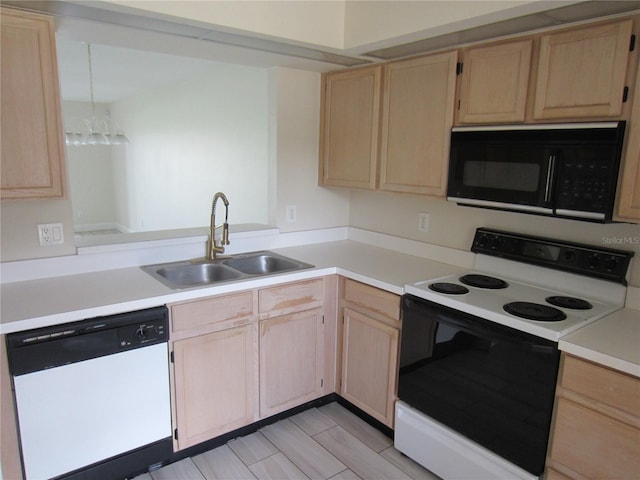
column 551, row 167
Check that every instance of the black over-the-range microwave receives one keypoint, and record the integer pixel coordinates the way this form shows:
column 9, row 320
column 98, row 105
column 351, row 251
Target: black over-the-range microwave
column 563, row 170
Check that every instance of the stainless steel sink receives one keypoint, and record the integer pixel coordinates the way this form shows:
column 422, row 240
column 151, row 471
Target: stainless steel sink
column 192, row 274
column 264, row 263
column 178, row 275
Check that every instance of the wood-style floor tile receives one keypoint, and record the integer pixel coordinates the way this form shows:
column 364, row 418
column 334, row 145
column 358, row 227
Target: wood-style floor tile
column 408, row 466
column 329, row 443
column 182, row 470
column 360, row 458
column 222, row 464
column 313, row 421
column 277, row 467
column 346, row 475
column 360, row 429
column 311, row 458
column 252, row 448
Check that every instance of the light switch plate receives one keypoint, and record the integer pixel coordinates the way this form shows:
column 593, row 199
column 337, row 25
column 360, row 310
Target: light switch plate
column 291, row 213
column 423, row 222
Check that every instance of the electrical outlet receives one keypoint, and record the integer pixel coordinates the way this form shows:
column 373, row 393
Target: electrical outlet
column 423, row 222
column 291, row 213
column 50, row 234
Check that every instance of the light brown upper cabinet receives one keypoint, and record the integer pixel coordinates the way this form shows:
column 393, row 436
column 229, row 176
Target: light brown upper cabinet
column 417, row 115
column 629, row 191
column 349, row 128
column 32, row 153
column 582, row 72
column 494, row 83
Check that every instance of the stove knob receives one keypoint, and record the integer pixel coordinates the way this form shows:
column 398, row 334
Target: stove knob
column 612, row 263
column 569, row 255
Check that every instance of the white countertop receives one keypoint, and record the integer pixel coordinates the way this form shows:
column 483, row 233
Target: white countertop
column 613, row 341
column 50, row 301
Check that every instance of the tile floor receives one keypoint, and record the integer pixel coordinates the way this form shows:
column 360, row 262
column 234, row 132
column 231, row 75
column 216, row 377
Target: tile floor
column 321, row 443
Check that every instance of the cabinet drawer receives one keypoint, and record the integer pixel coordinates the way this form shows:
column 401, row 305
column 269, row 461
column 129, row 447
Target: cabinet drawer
column 601, row 384
column 594, row 445
column 373, row 299
column 213, row 310
column 293, row 297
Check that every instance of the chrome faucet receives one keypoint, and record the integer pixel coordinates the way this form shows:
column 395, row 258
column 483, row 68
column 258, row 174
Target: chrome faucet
column 213, row 248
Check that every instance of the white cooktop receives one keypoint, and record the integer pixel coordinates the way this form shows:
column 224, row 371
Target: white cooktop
column 488, row 303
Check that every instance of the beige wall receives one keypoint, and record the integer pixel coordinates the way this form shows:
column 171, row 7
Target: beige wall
column 369, row 22
column 316, row 22
column 453, row 226
column 298, row 119
column 19, row 221
column 341, row 24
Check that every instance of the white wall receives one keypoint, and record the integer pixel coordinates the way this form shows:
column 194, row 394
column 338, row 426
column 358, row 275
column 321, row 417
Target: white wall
column 90, row 171
column 190, row 140
column 453, row 226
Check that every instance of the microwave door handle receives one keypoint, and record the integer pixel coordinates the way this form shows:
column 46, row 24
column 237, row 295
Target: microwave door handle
column 550, row 172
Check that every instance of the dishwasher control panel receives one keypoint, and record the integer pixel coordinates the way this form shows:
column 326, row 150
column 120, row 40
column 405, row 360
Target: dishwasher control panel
column 47, row 347
column 147, row 333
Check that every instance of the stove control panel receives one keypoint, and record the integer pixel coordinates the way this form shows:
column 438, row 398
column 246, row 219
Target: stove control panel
column 604, row 263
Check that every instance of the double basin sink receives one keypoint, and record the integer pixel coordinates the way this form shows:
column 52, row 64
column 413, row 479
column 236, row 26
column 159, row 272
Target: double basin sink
column 187, row 274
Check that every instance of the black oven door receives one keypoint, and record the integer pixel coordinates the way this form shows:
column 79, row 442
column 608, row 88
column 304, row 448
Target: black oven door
column 492, row 384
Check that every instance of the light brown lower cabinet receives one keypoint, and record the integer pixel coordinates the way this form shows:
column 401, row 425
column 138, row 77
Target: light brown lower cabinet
column 247, row 355
column 596, row 427
column 369, row 363
column 291, row 360
column 370, row 337
column 216, row 382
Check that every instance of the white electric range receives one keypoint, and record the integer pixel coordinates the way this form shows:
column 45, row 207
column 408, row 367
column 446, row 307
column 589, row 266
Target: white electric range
column 479, row 351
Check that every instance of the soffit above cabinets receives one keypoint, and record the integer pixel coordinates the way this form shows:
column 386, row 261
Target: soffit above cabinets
column 186, row 29
column 550, row 18
column 276, row 50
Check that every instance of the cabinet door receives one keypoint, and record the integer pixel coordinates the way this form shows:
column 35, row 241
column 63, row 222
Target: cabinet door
column 32, row 156
column 215, row 383
column 290, row 361
column 369, row 365
column 581, row 73
column 629, row 193
column 417, row 110
column 494, row 83
column 350, row 124
column 592, row 444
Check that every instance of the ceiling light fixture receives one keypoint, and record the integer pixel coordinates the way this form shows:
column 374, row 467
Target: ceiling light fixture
column 95, row 136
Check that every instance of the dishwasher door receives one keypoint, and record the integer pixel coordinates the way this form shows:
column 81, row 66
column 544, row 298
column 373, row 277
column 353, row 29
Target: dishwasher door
column 92, row 397
column 82, row 413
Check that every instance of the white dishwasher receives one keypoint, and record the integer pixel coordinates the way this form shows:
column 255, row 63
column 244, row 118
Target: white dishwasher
column 92, row 397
